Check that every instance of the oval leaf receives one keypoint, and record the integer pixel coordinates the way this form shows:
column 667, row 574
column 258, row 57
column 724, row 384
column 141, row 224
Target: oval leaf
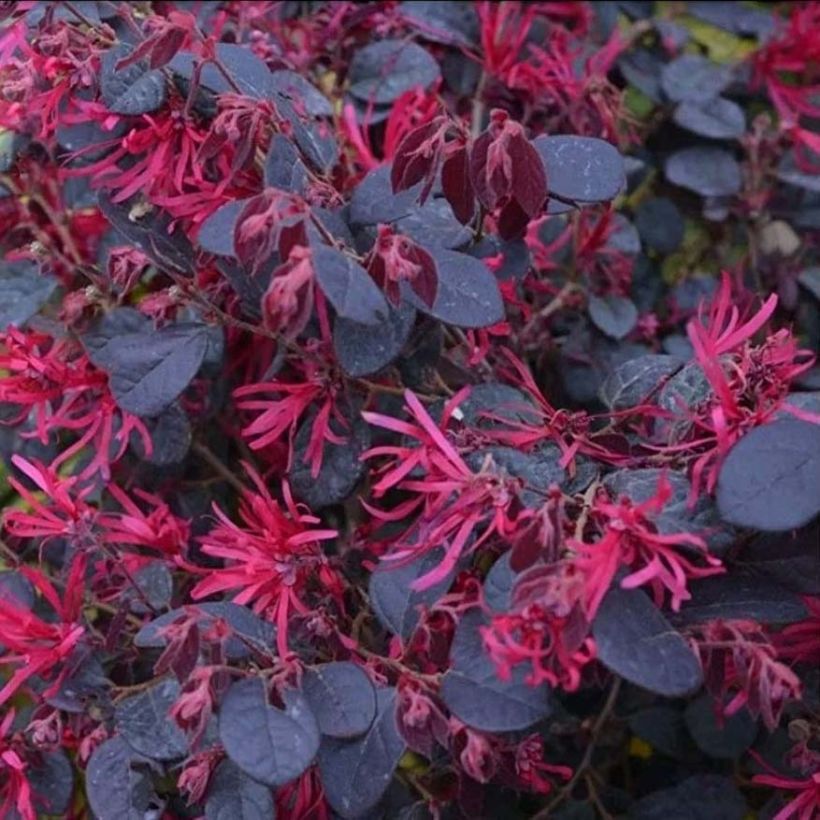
column 348, row 287
column 614, row 315
column 216, row 235
column 395, row 602
column 468, row 294
column 356, row 773
column 133, row 90
column 232, row 795
column 273, row 746
column 148, row 370
column 693, row 78
column 23, row 291
column 771, row 478
column 633, row 381
column 704, row 796
column 635, row 641
column 706, row 171
column 51, row 777
column 383, row 71
column 475, row 694
column 342, row 698
column 248, row 628
column 741, row 595
column 366, row 349
column 581, row 169
column 115, row 789
column 719, row 118
column 144, row 722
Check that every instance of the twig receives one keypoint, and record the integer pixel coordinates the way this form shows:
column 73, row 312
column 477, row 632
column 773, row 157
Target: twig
column 580, row 771
column 218, row 466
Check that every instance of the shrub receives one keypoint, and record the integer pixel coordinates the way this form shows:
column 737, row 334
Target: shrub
column 409, row 410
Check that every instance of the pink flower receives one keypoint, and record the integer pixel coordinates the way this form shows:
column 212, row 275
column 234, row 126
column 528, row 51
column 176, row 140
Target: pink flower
column 531, row 768
column 740, row 664
column 37, row 647
column 453, row 502
column 158, row 530
column 800, row 642
column 66, row 514
column 630, row 539
column 273, row 559
column 546, row 629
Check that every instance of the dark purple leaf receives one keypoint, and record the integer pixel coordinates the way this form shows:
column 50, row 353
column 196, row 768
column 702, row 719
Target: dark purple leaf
column 498, row 585
column 706, row 171
column 341, row 697
column 635, row 641
column 283, row 168
column 134, row 90
column 374, row 202
column 85, row 682
column 677, row 516
column 631, row 383
column 771, row 478
column 301, row 93
column 433, row 225
column 722, row 739
column 341, row 465
column 642, row 69
column 116, row 790
column 156, row 584
column 396, row 604
column 216, row 235
column 475, row 694
column 515, row 257
column 52, row 782
column 89, row 9
column 366, row 349
column 614, row 315
column 16, row 589
column 10, row 145
column 660, row 224
column 452, row 23
column 457, row 185
column 468, row 294
column 232, row 795
column 356, row 773
column 581, row 169
column 703, row 796
column 171, row 436
column 384, row 70
column 315, row 139
column 23, row 291
column 148, row 370
column 735, row 17
column 250, row 74
column 739, row 595
column 348, row 287
column 100, row 338
column 149, row 233
column 693, row 78
column 718, row 118
column 144, row 722
column 789, row 558
column 273, row 746
column 248, row 628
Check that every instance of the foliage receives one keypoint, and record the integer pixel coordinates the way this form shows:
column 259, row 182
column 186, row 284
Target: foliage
column 409, row 410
